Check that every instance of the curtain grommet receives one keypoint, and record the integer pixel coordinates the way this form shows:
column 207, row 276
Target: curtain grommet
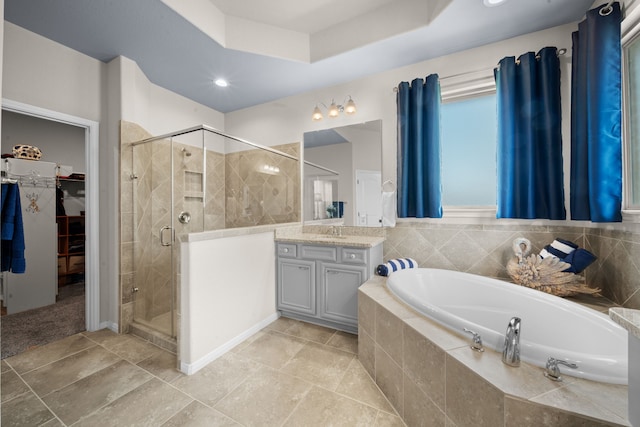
column 606, row 10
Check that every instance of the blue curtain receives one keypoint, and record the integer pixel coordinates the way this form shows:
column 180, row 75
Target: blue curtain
column 529, row 149
column 419, row 186
column 596, row 103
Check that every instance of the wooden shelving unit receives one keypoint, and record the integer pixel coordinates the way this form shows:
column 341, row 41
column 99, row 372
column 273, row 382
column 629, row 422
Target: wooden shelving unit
column 71, row 240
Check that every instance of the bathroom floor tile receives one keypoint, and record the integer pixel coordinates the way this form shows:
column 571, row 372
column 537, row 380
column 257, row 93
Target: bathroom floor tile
column 323, row 408
column 344, row 341
column 151, row 404
column 162, row 364
column 217, row 379
column 51, row 352
column 103, row 336
column 281, row 324
column 12, row 386
column 134, row 349
column 309, row 331
column 384, row 419
column 358, row 385
column 266, row 398
column 199, row 415
column 25, row 410
column 91, row 393
column 246, row 343
column 65, row 371
column 93, row 378
column 273, row 349
column 320, row 365
column 54, row 422
column 4, row 366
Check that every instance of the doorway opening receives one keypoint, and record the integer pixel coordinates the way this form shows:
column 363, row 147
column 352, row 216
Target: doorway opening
column 72, row 276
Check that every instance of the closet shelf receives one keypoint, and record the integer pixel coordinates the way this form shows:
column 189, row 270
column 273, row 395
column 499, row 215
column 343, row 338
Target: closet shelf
column 71, row 241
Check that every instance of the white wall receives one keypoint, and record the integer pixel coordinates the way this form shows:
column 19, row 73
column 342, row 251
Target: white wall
column 228, row 293
column 60, row 143
column 158, row 110
column 46, row 74
column 40, row 72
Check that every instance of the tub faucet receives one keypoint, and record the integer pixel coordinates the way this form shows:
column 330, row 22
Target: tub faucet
column 552, row 370
column 511, row 349
column 476, row 344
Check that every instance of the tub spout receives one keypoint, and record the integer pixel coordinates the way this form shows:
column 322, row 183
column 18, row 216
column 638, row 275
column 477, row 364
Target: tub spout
column 511, row 349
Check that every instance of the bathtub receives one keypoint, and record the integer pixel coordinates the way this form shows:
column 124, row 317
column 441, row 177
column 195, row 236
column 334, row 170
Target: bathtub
column 551, row 326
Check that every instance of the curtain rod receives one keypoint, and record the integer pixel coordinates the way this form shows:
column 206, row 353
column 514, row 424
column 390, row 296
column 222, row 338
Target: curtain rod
column 561, row 52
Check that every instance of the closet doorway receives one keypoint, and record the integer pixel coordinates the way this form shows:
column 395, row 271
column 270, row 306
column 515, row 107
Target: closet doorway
column 69, row 144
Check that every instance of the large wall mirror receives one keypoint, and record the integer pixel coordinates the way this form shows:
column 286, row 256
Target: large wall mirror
column 343, row 175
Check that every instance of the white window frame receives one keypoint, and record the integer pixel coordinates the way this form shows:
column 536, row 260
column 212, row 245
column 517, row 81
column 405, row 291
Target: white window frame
column 459, row 88
column 630, row 32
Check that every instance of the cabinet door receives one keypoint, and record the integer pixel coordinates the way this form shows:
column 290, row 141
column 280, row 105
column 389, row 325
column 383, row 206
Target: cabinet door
column 339, row 292
column 297, row 285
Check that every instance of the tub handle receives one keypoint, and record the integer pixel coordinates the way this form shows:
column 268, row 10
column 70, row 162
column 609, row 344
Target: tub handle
column 552, row 370
column 476, row 344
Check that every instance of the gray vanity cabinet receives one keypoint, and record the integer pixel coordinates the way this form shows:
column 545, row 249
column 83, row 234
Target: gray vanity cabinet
column 339, row 299
column 297, row 285
column 320, row 284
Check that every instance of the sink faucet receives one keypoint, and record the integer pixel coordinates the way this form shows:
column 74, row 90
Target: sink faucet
column 511, row 349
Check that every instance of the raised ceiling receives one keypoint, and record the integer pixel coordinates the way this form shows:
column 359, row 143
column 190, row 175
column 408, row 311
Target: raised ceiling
column 272, row 49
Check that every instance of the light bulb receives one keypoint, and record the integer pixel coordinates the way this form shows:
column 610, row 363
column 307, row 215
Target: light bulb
column 333, row 110
column 350, row 107
column 317, row 114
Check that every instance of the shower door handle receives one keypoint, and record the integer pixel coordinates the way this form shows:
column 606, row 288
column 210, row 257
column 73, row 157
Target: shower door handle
column 162, row 241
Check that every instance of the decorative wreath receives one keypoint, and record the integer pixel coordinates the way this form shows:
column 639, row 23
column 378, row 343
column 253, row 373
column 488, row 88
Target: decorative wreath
column 27, row 152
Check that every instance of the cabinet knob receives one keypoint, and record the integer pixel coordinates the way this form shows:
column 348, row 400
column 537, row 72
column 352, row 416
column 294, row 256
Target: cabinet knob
column 352, row 256
column 285, row 250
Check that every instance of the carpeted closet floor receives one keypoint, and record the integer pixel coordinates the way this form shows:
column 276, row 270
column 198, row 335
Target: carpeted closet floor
column 33, row 328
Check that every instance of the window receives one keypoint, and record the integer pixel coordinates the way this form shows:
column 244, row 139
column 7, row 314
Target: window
column 632, row 116
column 469, row 152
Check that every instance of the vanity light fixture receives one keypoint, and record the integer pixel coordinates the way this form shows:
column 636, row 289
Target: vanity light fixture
column 334, row 110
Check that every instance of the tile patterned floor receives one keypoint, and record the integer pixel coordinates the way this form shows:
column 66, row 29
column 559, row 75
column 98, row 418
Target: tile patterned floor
column 289, row 374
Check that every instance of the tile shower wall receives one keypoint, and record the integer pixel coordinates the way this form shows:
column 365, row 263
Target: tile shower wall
column 486, row 249
column 256, row 195
column 237, row 194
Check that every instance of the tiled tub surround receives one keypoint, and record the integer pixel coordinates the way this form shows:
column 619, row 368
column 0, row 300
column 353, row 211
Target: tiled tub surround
column 485, row 250
column 432, row 377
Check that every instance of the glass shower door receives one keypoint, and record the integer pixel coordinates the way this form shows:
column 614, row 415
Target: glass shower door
column 154, row 272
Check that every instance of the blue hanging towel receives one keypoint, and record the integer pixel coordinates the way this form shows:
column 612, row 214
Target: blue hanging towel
column 12, row 230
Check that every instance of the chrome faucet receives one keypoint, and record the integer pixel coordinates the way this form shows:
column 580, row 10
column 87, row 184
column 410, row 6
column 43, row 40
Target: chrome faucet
column 476, row 344
column 552, row 370
column 511, row 349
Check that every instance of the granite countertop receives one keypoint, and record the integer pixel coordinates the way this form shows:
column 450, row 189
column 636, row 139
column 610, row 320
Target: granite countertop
column 330, row 240
column 627, row 318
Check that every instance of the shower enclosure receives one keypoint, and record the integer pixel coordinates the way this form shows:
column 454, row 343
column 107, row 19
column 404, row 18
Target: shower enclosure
column 196, row 180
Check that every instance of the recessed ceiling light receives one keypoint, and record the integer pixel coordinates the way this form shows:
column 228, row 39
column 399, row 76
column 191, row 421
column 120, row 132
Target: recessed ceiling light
column 492, row 3
column 221, row 82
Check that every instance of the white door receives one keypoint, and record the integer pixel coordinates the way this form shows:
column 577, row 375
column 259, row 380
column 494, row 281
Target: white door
column 368, row 198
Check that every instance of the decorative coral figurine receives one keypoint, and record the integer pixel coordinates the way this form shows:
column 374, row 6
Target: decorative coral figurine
column 544, row 274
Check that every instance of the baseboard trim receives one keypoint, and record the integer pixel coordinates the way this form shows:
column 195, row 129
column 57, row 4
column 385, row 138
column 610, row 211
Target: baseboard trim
column 192, row 368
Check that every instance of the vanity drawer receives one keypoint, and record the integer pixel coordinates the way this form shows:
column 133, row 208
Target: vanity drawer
column 321, row 253
column 353, row 255
column 288, row 250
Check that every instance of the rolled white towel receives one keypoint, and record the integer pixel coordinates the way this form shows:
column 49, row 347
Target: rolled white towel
column 395, row 265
